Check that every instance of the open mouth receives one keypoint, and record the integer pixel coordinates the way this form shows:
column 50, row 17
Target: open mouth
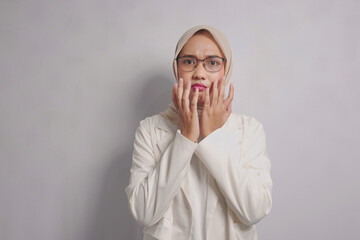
column 199, row 86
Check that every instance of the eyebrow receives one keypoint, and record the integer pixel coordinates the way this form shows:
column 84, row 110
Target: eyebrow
column 193, row 56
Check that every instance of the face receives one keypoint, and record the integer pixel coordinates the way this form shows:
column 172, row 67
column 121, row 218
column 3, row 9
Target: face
column 200, row 46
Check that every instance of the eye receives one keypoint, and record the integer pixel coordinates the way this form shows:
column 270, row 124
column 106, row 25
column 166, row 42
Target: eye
column 214, row 61
column 188, row 61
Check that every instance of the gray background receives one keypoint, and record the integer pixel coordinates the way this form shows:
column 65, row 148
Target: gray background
column 76, row 77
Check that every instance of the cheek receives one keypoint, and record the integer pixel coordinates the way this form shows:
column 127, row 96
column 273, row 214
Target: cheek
column 217, row 76
column 221, row 74
column 185, row 76
column 182, row 74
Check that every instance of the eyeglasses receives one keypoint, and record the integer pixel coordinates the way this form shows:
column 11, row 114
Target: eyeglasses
column 211, row 64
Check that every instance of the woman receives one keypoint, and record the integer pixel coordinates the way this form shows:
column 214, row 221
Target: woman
column 200, row 171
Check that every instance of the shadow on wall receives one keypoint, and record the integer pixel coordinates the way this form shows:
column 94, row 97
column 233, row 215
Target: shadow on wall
column 113, row 219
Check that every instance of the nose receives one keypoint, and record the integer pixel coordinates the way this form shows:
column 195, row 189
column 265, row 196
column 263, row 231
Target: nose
column 199, row 71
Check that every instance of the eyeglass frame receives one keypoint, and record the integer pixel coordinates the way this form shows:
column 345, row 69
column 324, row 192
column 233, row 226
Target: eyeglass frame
column 201, row 60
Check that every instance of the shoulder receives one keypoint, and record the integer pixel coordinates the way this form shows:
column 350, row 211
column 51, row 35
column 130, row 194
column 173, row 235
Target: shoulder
column 151, row 121
column 157, row 121
column 251, row 130
column 146, row 129
column 243, row 121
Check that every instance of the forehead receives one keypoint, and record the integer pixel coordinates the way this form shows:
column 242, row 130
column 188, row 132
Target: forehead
column 201, row 45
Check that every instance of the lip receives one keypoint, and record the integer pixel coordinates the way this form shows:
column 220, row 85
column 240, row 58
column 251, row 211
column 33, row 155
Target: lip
column 199, row 86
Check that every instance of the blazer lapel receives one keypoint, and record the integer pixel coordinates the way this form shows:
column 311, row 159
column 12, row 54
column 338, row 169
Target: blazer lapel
column 166, row 134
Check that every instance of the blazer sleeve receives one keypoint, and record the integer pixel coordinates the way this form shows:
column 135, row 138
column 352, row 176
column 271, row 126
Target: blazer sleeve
column 241, row 169
column 153, row 184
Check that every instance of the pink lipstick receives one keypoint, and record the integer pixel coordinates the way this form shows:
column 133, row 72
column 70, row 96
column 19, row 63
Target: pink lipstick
column 199, row 86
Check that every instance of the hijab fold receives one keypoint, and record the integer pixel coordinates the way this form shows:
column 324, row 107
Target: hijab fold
column 171, row 113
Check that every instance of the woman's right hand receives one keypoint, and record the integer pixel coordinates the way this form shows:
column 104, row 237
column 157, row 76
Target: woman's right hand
column 188, row 115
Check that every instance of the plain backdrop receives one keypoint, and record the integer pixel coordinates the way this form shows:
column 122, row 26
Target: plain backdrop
column 76, row 78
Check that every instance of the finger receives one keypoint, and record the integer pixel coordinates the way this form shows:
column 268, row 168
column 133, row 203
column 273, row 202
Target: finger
column 222, row 90
column 185, row 97
column 180, row 93
column 229, row 108
column 230, row 97
column 207, row 98
column 215, row 93
column 227, row 113
column 194, row 101
column 174, row 97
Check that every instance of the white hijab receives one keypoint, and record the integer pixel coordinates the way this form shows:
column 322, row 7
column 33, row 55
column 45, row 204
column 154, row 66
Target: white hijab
column 171, row 113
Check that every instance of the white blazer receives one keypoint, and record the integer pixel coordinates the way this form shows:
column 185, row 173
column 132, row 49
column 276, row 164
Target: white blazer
column 240, row 186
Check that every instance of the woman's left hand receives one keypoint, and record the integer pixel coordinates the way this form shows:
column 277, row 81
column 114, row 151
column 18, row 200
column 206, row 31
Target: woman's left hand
column 216, row 109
